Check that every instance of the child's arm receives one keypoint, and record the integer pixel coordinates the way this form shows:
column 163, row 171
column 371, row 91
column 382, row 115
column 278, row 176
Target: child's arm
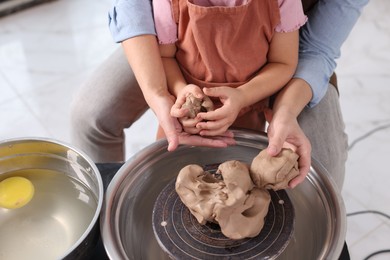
column 282, row 61
column 179, row 88
column 175, row 79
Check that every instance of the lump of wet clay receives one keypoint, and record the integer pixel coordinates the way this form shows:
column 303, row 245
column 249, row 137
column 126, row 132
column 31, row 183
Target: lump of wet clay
column 274, row 172
column 227, row 197
column 196, row 105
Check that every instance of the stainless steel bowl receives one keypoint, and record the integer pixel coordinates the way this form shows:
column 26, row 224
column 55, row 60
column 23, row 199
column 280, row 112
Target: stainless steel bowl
column 126, row 221
column 32, row 157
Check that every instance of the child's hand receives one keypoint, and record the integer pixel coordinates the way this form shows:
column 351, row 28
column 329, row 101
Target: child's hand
column 183, row 114
column 219, row 120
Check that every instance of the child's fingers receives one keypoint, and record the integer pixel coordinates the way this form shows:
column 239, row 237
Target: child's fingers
column 212, row 125
column 178, row 111
column 195, row 90
column 189, row 122
column 215, row 92
column 212, row 115
column 191, row 130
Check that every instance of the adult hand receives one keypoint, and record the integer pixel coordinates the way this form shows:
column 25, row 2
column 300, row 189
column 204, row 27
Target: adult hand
column 220, row 141
column 284, row 131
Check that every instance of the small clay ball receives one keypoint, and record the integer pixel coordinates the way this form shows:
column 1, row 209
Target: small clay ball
column 196, row 105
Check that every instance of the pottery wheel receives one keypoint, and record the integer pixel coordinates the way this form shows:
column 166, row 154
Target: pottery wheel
column 182, row 237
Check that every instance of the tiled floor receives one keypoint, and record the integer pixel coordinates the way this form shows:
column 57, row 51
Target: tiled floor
column 47, row 51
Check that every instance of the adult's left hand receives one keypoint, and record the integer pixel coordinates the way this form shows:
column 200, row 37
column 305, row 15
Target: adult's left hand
column 284, row 131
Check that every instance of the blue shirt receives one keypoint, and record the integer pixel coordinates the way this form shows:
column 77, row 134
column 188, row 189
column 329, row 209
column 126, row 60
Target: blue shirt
column 328, row 26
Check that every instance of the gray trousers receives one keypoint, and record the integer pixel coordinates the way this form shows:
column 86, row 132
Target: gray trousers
column 111, row 101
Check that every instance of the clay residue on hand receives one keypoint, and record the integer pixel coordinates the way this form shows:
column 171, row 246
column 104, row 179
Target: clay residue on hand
column 274, row 172
column 196, row 105
column 228, row 198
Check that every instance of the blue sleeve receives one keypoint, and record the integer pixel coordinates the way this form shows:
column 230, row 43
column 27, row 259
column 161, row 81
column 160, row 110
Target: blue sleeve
column 130, row 18
column 329, row 24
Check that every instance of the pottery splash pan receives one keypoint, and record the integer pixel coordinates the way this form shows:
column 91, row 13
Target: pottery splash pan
column 182, row 237
column 126, row 220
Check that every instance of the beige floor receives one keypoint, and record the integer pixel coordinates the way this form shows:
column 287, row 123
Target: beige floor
column 47, row 51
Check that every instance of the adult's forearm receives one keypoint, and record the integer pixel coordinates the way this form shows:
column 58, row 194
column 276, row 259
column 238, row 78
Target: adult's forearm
column 293, row 98
column 329, row 24
column 144, row 58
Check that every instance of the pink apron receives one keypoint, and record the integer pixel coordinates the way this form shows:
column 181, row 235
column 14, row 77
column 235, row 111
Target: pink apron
column 225, row 46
